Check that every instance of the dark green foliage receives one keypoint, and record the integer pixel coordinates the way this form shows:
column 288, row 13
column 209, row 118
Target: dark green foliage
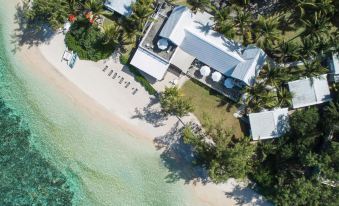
column 88, row 41
column 124, row 59
column 54, row 12
column 26, row 177
column 224, row 158
column 291, row 170
column 142, row 80
column 199, row 4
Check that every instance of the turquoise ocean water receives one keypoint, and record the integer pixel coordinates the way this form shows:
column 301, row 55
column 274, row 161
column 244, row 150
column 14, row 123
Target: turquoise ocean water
column 103, row 165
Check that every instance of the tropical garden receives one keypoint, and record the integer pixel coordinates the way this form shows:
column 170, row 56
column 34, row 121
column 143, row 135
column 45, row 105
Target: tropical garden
column 299, row 168
column 88, row 36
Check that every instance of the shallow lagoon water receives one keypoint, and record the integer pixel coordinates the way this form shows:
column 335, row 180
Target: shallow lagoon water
column 103, row 164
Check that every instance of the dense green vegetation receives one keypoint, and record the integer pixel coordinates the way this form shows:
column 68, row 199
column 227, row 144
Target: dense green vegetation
column 53, row 12
column 173, row 102
column 88, row 41
column 299, row 168
column 26, row 177
column 293, row 169
column 220, row 152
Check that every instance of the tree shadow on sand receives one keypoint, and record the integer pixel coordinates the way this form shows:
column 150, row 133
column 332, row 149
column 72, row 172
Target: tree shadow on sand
column 151, row 114
column 28, row 34
column 246, row 196
column 178, row 157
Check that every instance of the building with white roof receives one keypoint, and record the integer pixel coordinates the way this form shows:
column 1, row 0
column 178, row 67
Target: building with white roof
column 309, row 91
column 334, row 68
column 123, row 7
column 269, row 124
column 192, row 36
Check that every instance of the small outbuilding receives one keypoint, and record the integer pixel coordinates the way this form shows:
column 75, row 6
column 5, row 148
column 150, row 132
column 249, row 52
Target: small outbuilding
column 269, row 124
column 334, row 68
column 310, row 91
column 123, row 7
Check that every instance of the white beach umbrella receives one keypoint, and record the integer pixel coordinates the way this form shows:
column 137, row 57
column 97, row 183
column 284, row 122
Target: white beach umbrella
column 229, row 83
column 162, row 44
column 205, row 71
column 216, row 76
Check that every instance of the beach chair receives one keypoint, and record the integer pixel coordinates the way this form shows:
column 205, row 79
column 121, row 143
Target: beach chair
column 73, row 60
column 67, row 56
column 110, row 72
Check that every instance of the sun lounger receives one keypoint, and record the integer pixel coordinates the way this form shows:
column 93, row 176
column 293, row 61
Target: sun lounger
column 110, row 72
column 135, row 91
column 67, row 56
column 73, row 60
column 121, row 80
column 105, row 68
column 115, row 75
column 127, row 85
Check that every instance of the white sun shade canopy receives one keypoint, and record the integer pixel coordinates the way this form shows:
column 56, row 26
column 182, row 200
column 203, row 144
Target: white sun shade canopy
column 216, row 76
column 162, row 44
column 205, row 71
column 229, row 83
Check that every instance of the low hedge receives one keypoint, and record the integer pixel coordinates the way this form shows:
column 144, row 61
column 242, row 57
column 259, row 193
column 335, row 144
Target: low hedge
column 142, row 80
column 124, row 59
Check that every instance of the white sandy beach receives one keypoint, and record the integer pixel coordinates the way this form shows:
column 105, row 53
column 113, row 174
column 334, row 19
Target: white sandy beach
column 105, row 99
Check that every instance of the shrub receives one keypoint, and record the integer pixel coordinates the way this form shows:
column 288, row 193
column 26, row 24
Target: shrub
column 124, row 59
column 142, row 80
column 87, row 41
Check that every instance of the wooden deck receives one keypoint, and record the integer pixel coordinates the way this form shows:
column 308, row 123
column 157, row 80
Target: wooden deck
column 232, row 94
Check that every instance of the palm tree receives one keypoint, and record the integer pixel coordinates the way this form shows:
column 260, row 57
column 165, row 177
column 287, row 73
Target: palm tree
column 223, row 21
column 258, row 97
column 243, row 21
column 141, row 11
column 287, row 51
column 284, row 97
column 313, row 68
column 96, row 7
column 309, row 47
column 316, row 26
column 199, row 4
column 302, row 5
column 274, row 75
column 266, row 31
column 112, row 34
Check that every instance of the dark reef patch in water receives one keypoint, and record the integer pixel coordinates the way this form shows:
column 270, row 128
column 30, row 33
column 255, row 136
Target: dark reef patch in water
column 26, row 177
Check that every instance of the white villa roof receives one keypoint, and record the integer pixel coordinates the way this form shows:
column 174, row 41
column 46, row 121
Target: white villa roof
column 247, row 71
column 123, row 7
column 310, row 91
column 193, row 34
column 335, row 63
column 182, row 60
column 269, row 124
column 173, row 29
column 209, row 53
column 149, row 63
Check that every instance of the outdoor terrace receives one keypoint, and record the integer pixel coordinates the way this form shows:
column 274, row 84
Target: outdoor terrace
column 234, row 94
column 152, row 35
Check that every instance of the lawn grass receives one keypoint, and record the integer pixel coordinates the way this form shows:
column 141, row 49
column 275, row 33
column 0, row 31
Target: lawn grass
column 208, row 102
